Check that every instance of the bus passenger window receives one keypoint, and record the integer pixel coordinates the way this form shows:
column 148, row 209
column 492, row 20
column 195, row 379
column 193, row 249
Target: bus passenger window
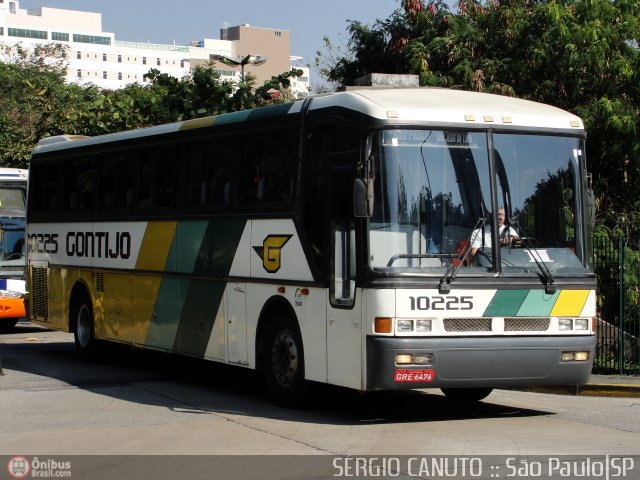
column 79, row 184
column 158, row 179
column 268, row 164
column 210, row 172
column 117, row 174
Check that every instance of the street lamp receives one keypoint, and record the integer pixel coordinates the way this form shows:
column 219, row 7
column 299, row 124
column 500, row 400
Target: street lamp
column 232, row 62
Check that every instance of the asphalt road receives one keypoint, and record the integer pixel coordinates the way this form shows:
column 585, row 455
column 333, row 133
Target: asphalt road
column 132, row 402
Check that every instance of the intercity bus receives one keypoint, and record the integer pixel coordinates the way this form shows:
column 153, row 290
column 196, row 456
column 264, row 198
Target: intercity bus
column 13, row 196
column 328, row 240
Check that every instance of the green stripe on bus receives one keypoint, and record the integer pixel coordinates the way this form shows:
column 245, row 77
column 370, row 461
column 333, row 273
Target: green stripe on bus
column 218, row 247
column 186, row 248
column 166, row 313
column 537, row 304
column 505, row 303
column 198, row 315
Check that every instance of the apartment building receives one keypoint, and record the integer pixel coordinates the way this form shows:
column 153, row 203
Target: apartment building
column 96, row 57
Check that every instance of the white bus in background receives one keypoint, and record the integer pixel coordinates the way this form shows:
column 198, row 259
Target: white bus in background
column 13, row 195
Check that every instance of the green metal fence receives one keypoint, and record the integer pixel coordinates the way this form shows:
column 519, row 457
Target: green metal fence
column 618, row 329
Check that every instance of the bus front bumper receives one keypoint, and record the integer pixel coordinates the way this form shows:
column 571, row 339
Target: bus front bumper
column 476, row 362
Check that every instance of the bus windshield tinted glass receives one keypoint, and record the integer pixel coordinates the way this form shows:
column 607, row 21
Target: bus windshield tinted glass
column 538, row 184
column 433, row 211
column 431, row 191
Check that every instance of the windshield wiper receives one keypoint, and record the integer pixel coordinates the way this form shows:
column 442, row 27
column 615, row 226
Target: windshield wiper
column 452, row 270
column 547, row 277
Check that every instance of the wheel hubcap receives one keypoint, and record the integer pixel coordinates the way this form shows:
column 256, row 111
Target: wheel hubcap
column 84, row 326
column 284, row 358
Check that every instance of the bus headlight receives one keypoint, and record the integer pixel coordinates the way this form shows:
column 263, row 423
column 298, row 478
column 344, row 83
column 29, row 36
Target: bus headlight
column 414, row 359
column 574, row 356
column 423, row 325
column 565, row 323
column 581, row 324
column 404, row 326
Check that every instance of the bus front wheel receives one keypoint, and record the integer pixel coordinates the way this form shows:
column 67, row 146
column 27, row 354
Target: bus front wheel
column 466, row 395
column 83, row 332
column 283, row 362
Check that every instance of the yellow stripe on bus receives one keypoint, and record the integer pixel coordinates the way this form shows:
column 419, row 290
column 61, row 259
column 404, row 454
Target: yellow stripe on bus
column 570, row 303
column 156, row 244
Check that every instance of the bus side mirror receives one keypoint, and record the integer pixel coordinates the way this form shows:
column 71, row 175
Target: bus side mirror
column 362, row 198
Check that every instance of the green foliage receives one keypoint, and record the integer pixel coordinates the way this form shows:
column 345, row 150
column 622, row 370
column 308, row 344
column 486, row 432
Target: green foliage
column 580, row 55
column 36, row 103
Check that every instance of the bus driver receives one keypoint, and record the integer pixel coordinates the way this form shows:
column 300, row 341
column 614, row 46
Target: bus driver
column 507, row 234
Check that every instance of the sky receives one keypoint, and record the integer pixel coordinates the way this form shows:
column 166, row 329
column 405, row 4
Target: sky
column 168, row 22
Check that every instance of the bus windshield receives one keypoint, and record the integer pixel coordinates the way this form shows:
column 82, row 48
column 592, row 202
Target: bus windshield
column 433, row 203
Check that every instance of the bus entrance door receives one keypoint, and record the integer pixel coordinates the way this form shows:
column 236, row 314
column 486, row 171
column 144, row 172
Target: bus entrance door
column 344, row 313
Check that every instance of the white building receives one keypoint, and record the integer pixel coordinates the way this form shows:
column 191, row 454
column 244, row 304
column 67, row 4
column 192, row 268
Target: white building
column 96, row 57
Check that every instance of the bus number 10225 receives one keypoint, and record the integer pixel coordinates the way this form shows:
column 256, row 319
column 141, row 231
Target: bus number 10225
column 437, row 302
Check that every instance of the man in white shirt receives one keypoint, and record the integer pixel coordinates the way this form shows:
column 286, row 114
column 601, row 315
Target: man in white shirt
column 506, row 235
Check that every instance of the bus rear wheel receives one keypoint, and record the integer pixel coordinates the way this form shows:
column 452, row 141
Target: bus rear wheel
column 83, row 332
column 283, row 362
column 466, row 395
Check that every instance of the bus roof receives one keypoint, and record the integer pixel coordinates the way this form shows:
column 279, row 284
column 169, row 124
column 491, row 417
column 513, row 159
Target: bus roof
column 453, row 107
column 433, row 106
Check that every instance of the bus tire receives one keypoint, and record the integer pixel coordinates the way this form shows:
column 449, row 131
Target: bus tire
column 466, row 395
column 283, row 362
column 8, row 324
column 83, row 326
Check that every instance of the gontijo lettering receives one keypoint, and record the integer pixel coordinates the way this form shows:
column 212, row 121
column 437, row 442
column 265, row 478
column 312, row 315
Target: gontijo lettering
column 99, row 244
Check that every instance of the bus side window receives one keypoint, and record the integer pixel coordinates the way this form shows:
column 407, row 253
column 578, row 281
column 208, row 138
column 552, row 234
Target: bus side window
column 79, row 184
column 210, row 172
column 268, row 165
column 158, row 184
column 117, row 176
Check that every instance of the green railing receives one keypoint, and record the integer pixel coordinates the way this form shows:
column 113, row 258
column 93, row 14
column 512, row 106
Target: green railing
column 618, row 329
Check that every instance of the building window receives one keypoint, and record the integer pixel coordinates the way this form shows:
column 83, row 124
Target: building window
column 119, row 58
column 79, row 73
column 12, row 7
column 91, row 39
column 119, row 75
column 144, row 60
column 158, row 62
column 104, row 57
column 104, row 75
column 24, row 33
column 79, row 55
column 181, row 63
column 278, row 34
column 59, row 36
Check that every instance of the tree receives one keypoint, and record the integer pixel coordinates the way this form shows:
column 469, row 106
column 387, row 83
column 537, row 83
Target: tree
column 33, row 100
column 580, row 55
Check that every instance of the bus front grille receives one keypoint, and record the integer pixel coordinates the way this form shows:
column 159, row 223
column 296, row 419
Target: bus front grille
column 526, row 324
column 39, row 295
column 467, row 324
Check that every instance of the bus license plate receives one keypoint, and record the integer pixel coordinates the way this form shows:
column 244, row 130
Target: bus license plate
column 416, row 376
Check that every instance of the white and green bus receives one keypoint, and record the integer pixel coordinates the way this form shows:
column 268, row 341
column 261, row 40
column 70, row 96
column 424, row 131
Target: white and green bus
column 329, row 240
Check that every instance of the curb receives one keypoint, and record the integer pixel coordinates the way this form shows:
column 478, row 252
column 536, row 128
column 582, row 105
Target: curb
column 591, row 389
